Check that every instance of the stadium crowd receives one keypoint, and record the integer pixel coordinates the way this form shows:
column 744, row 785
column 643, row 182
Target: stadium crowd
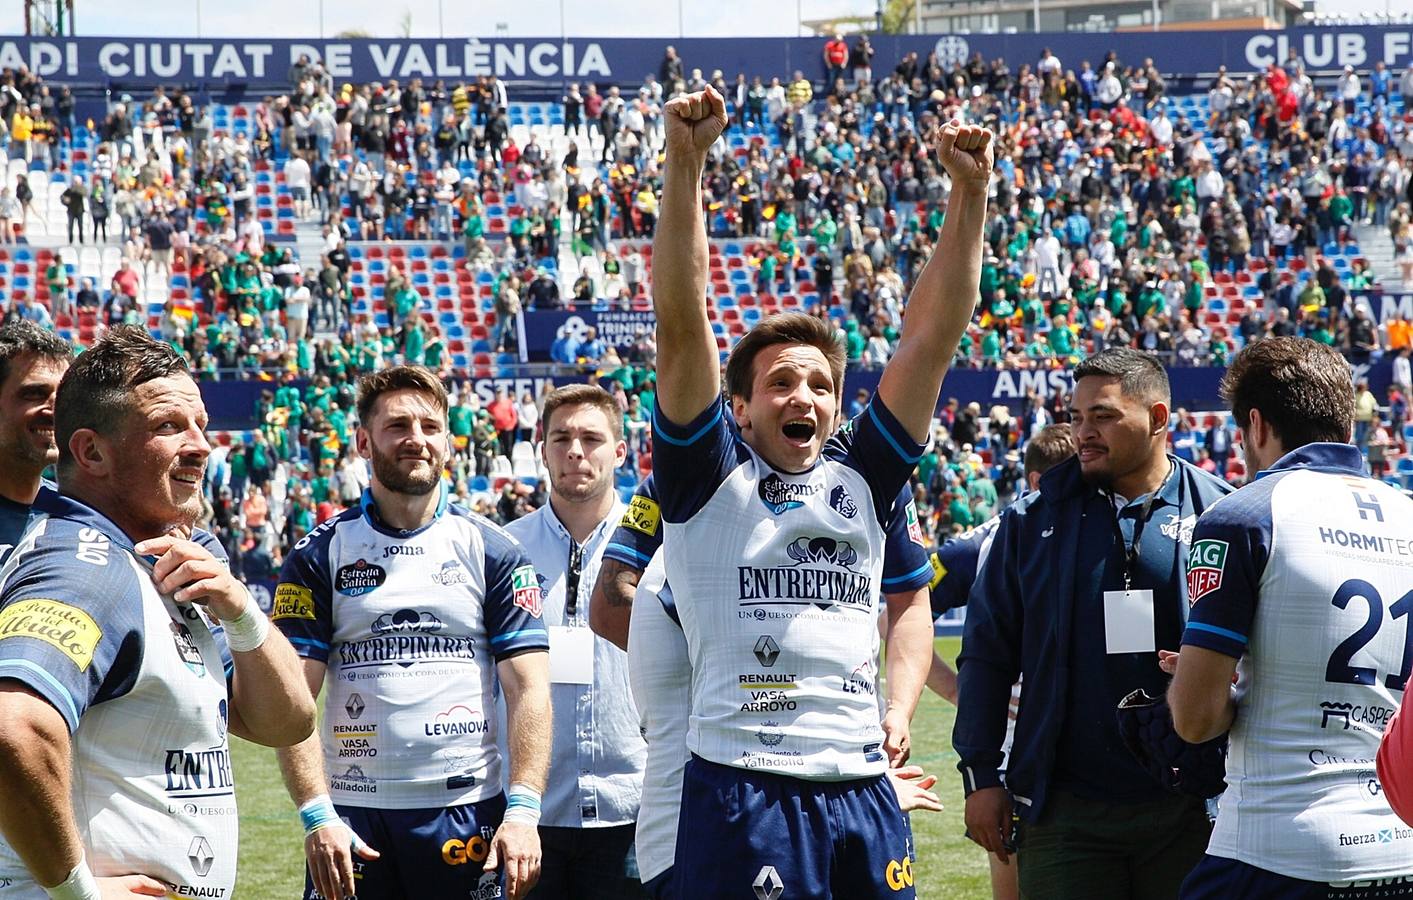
column 1111, row 222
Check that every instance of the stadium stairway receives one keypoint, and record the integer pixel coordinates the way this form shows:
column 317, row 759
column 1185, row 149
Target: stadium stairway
column 309, row 251
column 1377, row 247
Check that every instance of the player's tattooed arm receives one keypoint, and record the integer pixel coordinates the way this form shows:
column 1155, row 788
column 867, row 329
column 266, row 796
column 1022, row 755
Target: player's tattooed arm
column 611, row 605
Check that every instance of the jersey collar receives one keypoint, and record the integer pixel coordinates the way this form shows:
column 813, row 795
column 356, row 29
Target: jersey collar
column 370, row 512
column 1344, row 459
column 558, row 529
column 55, row 504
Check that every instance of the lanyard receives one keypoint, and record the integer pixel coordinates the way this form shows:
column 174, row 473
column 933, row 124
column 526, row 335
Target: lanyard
column 1131, row 551
column 571, row 579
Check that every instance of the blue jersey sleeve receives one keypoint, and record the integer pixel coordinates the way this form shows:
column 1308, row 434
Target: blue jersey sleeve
column 905, row 564
column 954, row 566
column 1230, row 547
column 514, row 600
column 691, row 461
column 303, row 603
column 71, row 620
column 877, row 446
column 639, row 533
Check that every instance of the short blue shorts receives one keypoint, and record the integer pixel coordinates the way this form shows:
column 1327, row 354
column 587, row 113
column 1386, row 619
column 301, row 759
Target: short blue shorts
column 425, row 852
column 1218, row 878
column 761, row 836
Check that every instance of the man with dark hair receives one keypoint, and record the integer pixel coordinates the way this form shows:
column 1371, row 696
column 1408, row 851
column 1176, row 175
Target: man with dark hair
column 1298, row 582
column 660, row 672
column 127, row 654
column 1083, row 584
column 775, row 530
column 410, row 610
column 32, row 361
column 596, row 765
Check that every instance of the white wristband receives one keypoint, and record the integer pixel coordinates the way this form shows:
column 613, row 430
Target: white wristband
column 80, row 885
column 522, row 805
column 248, row 630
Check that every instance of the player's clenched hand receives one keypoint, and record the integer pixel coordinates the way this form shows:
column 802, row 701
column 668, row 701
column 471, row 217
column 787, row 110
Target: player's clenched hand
column 516, row 848
column 914, row 789
column 189, row 572
column 125, row 886
column 329, row 852
column 988, row 818
column 694, row 122
column 897, row 737
column 1168, row 662
column 967, row 152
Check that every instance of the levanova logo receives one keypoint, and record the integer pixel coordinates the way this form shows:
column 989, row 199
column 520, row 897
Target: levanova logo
column 779, row 495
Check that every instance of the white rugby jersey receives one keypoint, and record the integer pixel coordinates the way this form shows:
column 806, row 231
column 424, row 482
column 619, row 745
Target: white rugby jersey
column 777, row 579
column 141, row 683
column 1304, row 575
column 660, row 674
column 411, row 624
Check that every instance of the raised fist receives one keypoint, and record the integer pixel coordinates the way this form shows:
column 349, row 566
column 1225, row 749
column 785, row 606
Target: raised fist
column 694, row 122
column 967, row 152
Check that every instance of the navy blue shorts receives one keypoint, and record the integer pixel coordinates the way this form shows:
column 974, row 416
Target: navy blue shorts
column 760, row 836
column 425, row 852
column 1218, row 878
column 660, row 886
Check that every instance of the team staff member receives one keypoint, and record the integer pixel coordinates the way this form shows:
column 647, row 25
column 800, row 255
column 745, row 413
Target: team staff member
column 1296, row 583
column 596, row 766
column 410, row 609
column 954, row 566
column 116, row 692
column 1084, row 583
column 32, row 360
column 776, row 529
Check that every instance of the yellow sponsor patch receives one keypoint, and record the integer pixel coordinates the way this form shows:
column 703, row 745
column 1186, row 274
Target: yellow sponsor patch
column 939, row 572
column 293, row 602
column 642, row 514
column 66, row 628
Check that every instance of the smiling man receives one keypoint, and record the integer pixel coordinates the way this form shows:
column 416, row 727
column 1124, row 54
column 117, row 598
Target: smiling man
column 1082, row 586
column 410, row 610
column 127, row 655
column 32, row 360
column 778, row 533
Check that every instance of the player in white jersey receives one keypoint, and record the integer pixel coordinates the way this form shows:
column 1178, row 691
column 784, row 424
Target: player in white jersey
column 1298, row 584
column 660, row 672
column 409, row 610
column 116, row 692
column 779, row 532
column 32, row 360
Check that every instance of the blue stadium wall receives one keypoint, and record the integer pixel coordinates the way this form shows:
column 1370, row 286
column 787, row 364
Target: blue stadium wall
column 262, row 65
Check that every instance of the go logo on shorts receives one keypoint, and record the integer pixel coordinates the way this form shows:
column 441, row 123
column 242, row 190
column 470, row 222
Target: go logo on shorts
column 899, row 874
column 457, row 852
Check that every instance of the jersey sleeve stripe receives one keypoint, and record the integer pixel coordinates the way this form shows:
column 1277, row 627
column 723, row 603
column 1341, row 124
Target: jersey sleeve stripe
column 308, row 642
column 923, row 572
column 617, row 551
column 662, row 428
column 524, row 632
column 1221, row 632
column 56, row 689
column 892, row 441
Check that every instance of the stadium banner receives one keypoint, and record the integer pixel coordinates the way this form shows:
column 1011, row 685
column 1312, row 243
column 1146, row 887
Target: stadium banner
column 264, row 64
column 617, row 328
column 1384, row 307
column 230, row 405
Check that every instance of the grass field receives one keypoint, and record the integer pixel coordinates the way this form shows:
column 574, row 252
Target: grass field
column 949, row 866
